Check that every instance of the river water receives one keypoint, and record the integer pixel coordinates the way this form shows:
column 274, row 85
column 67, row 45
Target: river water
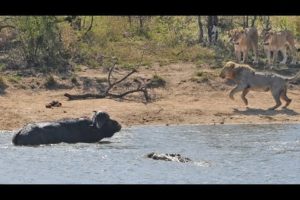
column 221, row 154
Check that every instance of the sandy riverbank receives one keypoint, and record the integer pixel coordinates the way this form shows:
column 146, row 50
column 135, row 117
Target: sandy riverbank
column 182, row 101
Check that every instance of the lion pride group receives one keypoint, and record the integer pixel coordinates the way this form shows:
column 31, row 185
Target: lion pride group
column 273, row 42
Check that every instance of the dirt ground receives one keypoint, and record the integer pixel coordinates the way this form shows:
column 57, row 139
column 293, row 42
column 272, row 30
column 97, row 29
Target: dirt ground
column 181, row 101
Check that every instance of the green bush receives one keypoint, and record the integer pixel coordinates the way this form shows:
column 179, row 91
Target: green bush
column 157, row 81
column 39, row 42
column 14, row 79
column 50, row 82
column 2, row 83
column 74, row 80
column 204, row 76
column 48, row 43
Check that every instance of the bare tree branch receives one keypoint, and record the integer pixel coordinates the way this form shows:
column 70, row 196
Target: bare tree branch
column 141, row 87
column 111, row 85
column 125, row 77
column 109, row 74
column 125, row 93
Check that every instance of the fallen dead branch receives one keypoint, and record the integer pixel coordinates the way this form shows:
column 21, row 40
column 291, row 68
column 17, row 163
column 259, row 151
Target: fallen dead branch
column 140, row 83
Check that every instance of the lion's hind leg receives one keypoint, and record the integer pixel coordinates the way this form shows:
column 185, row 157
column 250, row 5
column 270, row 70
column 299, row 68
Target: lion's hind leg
column 294, row 54
column 276, row 95
column 285, row 98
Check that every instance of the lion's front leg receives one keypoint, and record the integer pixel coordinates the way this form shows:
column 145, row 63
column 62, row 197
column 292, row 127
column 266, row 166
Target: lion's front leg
column 238, row 55
column 269, row 57
column 275, row 55
column 243, row 96
column 283, row 51
column 238, row 88
column 245, row 56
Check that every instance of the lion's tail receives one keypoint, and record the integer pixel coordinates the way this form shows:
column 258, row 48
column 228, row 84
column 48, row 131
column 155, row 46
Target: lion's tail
column 294, row 78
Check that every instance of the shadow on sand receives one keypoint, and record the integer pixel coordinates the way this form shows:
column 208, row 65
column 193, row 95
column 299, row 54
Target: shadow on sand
column 255, row 111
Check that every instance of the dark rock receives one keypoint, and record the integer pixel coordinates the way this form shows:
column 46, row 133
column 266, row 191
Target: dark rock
column 53, row 104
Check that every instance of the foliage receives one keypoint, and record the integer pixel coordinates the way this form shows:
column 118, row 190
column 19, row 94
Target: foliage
column 157, row 81
column 14, row 79
column 204, row 76
column 39, row 42
column 2, row 82
column 61, row 43
column 50, row 82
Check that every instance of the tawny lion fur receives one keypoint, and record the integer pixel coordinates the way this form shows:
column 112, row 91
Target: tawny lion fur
column 244, row 40
column 279, row 41
column 248, row 79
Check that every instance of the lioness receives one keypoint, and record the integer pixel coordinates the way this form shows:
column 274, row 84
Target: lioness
column 279, row 41
column 248, row 79
column 243, row 41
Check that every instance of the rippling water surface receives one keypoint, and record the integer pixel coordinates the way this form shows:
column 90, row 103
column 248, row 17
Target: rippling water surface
column 223, row 154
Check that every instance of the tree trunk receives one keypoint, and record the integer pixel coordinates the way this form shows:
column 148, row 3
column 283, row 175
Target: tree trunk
column 90, row 27
column 200, row 30
column 245, row 21
column 141, row 23
column 267, row 23
column 76, row 23
column 88, row 30
column 212, row 23
column 253, row 21
column 130, row 21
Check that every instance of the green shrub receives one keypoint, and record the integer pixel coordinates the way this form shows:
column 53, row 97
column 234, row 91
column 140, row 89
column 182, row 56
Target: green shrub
column 50, row 82
column 14, row 79
column 39, row 42
column 74, row 80
column 2, row 83
column 157, row 81
column 204, row 76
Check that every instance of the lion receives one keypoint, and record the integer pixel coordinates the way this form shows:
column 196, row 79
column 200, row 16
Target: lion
column 279, row 41
column 243, row 41
column 248, row 79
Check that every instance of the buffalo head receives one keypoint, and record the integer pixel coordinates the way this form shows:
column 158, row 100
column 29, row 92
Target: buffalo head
column 102, row 121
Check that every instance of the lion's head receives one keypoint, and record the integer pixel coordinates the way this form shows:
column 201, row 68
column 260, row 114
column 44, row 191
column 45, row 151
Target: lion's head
column 227, row 70
column 236, row 36
column 280, row 38
column 230, row 70
column 267, row 36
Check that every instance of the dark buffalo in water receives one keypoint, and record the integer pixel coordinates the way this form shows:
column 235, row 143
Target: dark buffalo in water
column 68, row 130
